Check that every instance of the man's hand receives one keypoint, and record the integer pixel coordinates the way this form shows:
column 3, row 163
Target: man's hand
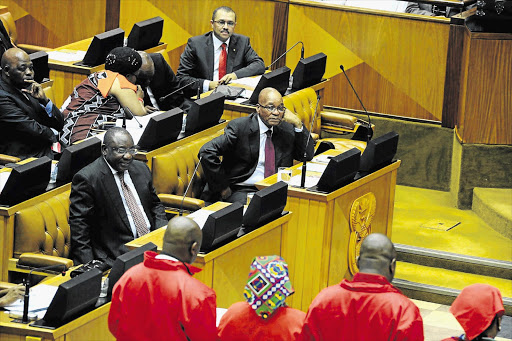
column 150, row 109
column 292, row 119
column 36, row 90
column 12, row 295
column 225, row 193
column 213, row 85
column 228, row 78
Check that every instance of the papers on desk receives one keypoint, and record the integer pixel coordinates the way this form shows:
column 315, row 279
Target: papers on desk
column 71, row 56
column 200, row 216
column 249, row 81
column 313, row 173
column 220, row 313
column 4, row 176
column 40, row 298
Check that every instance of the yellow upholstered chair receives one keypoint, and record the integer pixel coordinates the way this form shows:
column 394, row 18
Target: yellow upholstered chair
column 41, row 234
column 303, row 103
column 172, row 172
column 10, row 26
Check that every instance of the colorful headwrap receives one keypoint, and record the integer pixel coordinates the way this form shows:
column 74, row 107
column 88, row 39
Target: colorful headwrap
column 475, row 308
column 268, row 285
column 123, row 60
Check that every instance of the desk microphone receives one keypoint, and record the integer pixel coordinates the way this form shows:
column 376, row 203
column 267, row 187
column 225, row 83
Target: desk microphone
column 281, row 56
column 26, row 296
column 199, row 91
column 175, row 91
column 303, row 175
column 129, row 115
column 189, row 183
column 370, row 133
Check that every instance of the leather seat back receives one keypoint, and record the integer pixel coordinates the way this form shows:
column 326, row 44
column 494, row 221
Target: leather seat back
column 43, row 228
column 303, row 103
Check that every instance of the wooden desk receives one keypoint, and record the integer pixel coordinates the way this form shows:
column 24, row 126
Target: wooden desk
column 67, row 76
column 91, row 326
column 319, row 243
column 225, row 270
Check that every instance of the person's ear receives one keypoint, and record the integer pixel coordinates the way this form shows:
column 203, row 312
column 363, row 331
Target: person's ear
column 392, row 267
column 194, row 250
column 104, row 150
column 357, row 261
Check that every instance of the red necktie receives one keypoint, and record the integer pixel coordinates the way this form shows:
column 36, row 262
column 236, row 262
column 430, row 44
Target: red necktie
column 137, row 215
column 222, row 61
column 270, row 155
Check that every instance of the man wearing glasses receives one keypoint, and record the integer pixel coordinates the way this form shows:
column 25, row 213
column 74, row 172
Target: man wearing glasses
column 252, row 148
column 218, row 57
column 113, row 201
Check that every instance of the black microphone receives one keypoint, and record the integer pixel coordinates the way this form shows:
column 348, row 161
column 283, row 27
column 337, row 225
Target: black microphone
column 369, row 136
column 303, row 175
column 26, row 296
column 129, row 115
column 281, row 56
column 199, row 91
column 175, row 91
column 189, row 184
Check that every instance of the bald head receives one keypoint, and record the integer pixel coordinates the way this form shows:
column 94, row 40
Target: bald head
column 377, row 256
column 147, row 70
column 182, row 239
column 17, row 68
column 270, row 98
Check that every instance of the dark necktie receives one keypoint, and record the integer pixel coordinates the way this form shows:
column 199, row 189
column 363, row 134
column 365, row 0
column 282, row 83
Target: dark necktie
column 137, row 216
column 270, row 155
column 222, row 61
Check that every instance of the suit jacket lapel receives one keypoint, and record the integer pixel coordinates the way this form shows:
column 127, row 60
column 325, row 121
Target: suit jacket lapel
column 209, row 55
column 113, row 193
column 233, row 46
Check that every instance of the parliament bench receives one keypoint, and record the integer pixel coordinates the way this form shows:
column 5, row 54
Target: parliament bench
column 172, row 173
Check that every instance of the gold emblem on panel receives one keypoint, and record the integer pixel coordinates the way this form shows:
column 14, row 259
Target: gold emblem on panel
column 361, row 216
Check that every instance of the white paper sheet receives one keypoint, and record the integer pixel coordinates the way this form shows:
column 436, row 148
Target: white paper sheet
column 310, row 181
column 60, row 56
column 249, row 81
column 4, row 176
column 40, row 298
column 220, row 313
column 200, row 216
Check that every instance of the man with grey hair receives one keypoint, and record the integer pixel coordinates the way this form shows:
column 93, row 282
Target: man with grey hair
column 368, row 307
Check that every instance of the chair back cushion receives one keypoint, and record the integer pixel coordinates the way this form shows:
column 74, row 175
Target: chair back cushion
column 303, row 103
column 172, row 171
column 43, row 228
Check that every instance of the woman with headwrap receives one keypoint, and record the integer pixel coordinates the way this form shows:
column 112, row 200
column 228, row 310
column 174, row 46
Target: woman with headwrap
column 103, row 96
column 478, row 308
column 264, row 315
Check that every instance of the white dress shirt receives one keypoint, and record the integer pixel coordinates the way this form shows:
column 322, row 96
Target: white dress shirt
column 217, row 48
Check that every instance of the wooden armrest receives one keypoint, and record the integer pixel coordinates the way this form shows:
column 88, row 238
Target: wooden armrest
column 8, row 159
column 33, row 48
column 340, row 120
column 189, row 204
column 36, row 260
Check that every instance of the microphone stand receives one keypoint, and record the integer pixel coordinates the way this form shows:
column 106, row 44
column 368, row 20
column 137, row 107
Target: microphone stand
column 369, row 134
column 175, row 91
column 303, row 175
column 281, row 56
column 199, row 92
column 26, row 283
column 188, row 186
column 126, row 109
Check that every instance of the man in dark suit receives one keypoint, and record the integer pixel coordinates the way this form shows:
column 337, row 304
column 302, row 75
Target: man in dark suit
column 202, row 60
column 27, row 116
column 113, row 201
column 5, row 39
column 245, row 150
column 158, row 80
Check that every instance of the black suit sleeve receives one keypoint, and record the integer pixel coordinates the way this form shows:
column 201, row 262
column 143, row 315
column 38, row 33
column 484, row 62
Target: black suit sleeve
column 188, row 65
column 14, row 116
column 211, row 151
column 81, row 210
column 254, row 63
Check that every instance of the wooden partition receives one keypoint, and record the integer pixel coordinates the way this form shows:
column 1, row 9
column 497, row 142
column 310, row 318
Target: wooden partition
column 396, row 61
column 187, row 18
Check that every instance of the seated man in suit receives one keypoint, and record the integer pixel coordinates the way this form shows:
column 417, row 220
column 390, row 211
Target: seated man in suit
column 158, row 80
column 218, row 57
column 29, row 122
column 252, row 148
column 113, row 201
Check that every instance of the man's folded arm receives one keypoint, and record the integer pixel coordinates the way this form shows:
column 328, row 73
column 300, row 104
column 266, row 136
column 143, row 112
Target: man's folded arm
column 186, row 69
column 254, row 63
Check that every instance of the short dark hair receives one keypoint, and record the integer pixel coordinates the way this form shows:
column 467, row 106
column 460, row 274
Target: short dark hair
column 114, row 131
column 124, row 60
column 224, row 8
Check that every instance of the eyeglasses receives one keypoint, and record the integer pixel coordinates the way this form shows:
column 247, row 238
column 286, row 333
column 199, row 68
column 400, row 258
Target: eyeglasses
column 223, row 22
column 271, row 108
column 122, row 150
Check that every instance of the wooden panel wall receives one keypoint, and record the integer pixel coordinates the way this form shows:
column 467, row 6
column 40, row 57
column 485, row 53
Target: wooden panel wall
column 188, row 18
column 53, row 23
column 485, row 114
column 397, row 62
